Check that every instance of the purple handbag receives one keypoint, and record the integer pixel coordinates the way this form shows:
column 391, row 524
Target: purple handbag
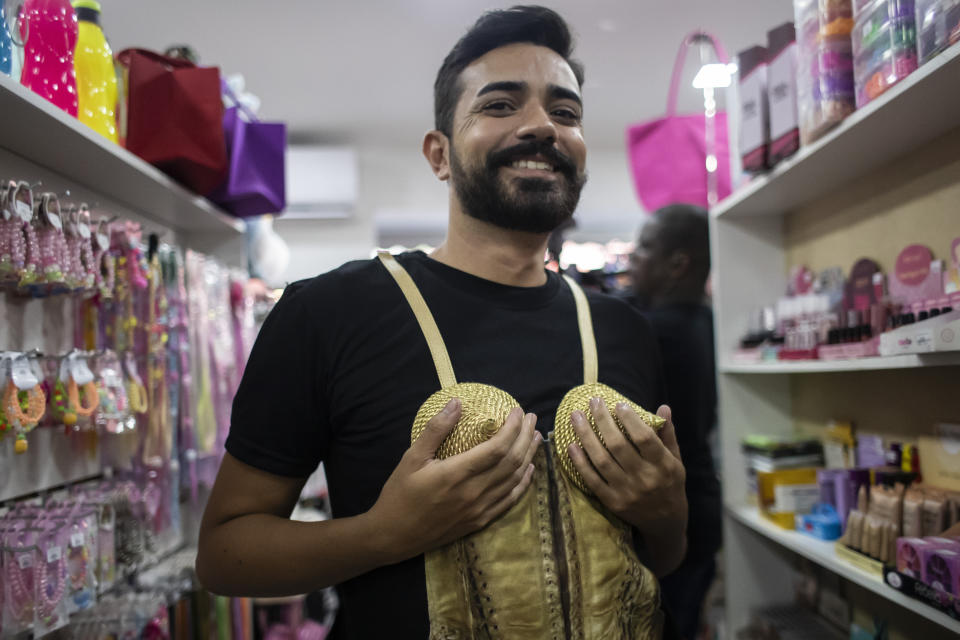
column 255, row 182
column 668, row 156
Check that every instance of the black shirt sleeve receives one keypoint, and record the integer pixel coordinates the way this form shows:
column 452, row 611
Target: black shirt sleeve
column 278, row 423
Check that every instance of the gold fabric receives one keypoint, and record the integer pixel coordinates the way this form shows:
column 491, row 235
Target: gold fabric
column 578, row 399
column 441, row 359
column 484, row 408
column 557, row 564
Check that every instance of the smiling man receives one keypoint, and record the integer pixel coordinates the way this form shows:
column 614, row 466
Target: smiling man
column 498, row 531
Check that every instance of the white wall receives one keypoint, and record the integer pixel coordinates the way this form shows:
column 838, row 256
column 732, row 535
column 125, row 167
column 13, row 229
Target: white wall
column 401, row 202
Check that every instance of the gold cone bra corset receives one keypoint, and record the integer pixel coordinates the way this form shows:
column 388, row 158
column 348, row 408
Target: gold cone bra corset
column 557, row 564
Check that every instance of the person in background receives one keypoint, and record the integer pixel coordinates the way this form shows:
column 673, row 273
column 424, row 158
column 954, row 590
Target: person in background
column 669, row 271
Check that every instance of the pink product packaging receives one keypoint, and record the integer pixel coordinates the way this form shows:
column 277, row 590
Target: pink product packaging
column 910, row 555
column 942, row 571
column 913, row 553
column 754, row 119
column 782, row 93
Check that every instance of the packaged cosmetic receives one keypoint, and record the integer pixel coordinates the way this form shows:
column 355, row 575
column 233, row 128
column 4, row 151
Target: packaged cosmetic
column 913, row 513
column 825, row 87
column 934, row 520
column 838, row 446
column 839, row 487
column 754, row 116
column 782, row 93
column 787, row 493
column 942, row 571
column 938, row 26
column 884, row 47
column 909, row 559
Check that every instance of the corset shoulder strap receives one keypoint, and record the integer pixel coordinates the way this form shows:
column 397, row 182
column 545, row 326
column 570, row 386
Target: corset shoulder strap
column 438, row 350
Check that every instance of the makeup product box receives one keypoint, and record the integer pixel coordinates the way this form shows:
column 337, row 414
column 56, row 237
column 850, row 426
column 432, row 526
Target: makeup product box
column 782, row 93
column 754, row 118
column 939, row 333
column 942, row 570
column 913, row 553
column 940, row 457
column 839, row 487
column 785, row 494
column 938, row 26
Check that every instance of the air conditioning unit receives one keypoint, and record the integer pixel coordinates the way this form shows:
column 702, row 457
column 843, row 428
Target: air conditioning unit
column 322, row 182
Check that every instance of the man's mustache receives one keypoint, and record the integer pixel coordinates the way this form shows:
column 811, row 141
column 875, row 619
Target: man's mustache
column 504, row 157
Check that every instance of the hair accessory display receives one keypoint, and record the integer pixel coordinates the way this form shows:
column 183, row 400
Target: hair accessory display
column 23, row 409
column 18, row 248
column 51, row 240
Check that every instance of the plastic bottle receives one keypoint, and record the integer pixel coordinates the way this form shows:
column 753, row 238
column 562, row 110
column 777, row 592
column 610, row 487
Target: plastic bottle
column 49, row 31
column 6, row 44
column 96, row 77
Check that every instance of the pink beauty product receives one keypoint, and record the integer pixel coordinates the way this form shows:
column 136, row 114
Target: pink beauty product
column 942, row 571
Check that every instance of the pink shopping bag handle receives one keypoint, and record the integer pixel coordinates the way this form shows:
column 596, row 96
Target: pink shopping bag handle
column 688, row 41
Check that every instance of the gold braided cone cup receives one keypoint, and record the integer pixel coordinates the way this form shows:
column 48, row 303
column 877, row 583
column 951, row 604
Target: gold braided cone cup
column 578, row 399
column 484, row 409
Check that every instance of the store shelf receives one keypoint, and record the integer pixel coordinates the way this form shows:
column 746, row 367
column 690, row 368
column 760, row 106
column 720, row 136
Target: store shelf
column 823, row 554
column 948, row 358
column 923, row 106
column 33, row 128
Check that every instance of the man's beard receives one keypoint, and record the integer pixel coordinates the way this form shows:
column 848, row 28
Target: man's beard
column 533, row 205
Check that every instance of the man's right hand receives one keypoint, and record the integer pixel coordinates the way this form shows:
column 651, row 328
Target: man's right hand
column 427, row 502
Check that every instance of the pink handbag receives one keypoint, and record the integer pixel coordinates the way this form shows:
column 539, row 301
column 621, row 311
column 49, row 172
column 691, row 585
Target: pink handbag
column 668, row 155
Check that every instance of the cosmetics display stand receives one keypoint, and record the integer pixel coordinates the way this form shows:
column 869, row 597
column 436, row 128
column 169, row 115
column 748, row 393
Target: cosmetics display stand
column 886, row 177
column 824, row 554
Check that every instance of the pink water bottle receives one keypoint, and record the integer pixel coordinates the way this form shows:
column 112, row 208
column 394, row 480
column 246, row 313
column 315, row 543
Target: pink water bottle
column 49, row 31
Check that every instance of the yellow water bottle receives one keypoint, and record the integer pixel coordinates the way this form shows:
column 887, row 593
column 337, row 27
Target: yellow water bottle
column 96, row 77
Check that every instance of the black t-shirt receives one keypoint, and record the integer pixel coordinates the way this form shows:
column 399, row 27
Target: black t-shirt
column 341, row 367
column 685, row 336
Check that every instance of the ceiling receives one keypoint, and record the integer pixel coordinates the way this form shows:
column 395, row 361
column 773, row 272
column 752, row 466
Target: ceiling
column 361, row 71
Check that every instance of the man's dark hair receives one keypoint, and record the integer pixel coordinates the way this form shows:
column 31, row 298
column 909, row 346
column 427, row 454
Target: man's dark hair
column 685, row 227
column 495, row 29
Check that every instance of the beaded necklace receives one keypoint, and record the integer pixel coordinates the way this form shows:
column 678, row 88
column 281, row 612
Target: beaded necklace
column 20, row 575
column 51, row 240
column 19, row 264
column 7, row 227
column 51, row 583
column 23, row 412
column 156, row 448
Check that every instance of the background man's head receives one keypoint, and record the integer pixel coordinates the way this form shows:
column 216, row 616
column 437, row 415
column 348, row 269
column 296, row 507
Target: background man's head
column 508, row 113
column 672, row 260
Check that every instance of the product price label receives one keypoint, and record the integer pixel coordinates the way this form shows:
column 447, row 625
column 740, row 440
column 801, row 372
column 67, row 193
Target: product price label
column 25, row 211
column 79, row 370
column 54, row 554
column 52, row 218
column 25, row 560
column 111, row 378
column 102, row 236
column 22, row 374
column 76, row 540
column 795, row 498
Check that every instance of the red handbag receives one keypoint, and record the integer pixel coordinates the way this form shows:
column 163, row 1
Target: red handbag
column 174, row 118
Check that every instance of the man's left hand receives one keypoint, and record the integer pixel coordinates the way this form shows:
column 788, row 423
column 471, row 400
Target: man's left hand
column 638, row 475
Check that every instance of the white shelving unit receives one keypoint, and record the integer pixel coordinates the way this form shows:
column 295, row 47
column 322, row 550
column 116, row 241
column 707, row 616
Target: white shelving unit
column 949, row 358
column 43, row 145
column 42, row 134
column 928, row 99
column 822, row 553
column 752, row 236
